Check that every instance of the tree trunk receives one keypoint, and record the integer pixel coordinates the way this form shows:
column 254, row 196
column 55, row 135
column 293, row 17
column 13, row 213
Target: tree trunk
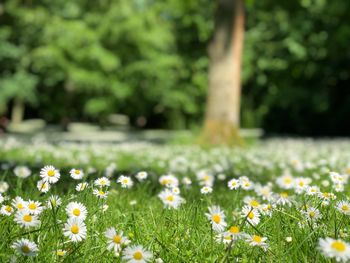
column 17, row 111
column 225, row 51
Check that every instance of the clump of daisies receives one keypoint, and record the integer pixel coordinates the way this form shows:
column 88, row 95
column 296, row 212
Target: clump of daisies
column 335, row 248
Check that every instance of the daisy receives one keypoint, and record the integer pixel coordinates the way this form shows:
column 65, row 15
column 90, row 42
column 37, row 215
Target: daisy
column 125, row 181
column 176, row 190
column 76, row 174
column 169, row 180
column 170, row 200
column 206, row 190
column 81, row 187
column 312, row 190
column 255, row 240
column 224, row 237
column 76, row 210
column 103, row 181
column 266, row 209
column 6, row 210
column 53, row 201
column 3, row 187
column 343, row 207
column 325, row 196
column 186, row 181
column 18, row 203
column 100, row 193
column 22, row 171
column 252, row 202
column 282, row 199
column 43, row 186
column 25, row 247
column 301, row 183
column 264, row 191
column 25, row 219
column 233, row 184
column 217, row 218
column 252, row 215
column 115, row 240
column 312, row 213
column 136, row 254
column 205, row 179
column 50, row 174
column 75, row 229
column 285, row 181
column 141, row 176
column 34, row 207
column 245, row 183
column 333, row 248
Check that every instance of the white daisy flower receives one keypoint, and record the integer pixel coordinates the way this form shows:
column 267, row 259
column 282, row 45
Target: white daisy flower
column 100, row 193
column 245, row 183
column 76, row 174
column 264, row 191
column 22, row 171
column 136, row 254
column 186, row 181
column 333, row 248
column 53, row 201
column 50, row 174
column 18, row 203
column 6, row 210
column 252, row 215
column 258, row 241
column 43, row 186
column 252, row 202
column 283, row 199
column 233, row 184
column 312, row 190
column 3, row 187
column 169, row 181
column 33, row 207
column 75, row 229
column 125, row 181
column 286, row 181
column 103, row 181
column 217, row 218
column 81, row 186
column 76, row 210
column 115, row 241
column 312, row 213
column 206, row 190
column 25, row 247
column 343, row 207
column 205, row 179
column 170, row 200
column 25, row 219
column 141, row 176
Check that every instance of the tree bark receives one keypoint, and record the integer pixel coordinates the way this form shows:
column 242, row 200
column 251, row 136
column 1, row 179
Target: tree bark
column 225, row 52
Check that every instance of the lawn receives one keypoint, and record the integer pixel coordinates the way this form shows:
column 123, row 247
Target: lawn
column 274, row 201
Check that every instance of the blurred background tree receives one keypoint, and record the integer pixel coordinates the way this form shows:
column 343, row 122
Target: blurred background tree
column 82, row 61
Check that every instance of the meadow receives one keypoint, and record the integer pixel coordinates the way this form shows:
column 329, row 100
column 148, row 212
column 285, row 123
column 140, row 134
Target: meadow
column 275, row 201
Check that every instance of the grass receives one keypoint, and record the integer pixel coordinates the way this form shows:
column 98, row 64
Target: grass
column 184, row 234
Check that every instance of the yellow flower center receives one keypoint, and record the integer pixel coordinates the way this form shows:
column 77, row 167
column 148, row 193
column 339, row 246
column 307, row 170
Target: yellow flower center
column 206, row 177
column 27, row 218
column 284, row 194
column 138, row 255
column 345, row 208
column 312, row 214
column 8, row 208
column 74, row 229
column 338, row 246
column 20, row 206
column 117, row 239
column 125, row 181
column 76, row 212
column 257, row 239
column 254, row 203
column 216, row 218
column 77, row 172
column 51, row 173
column 287, row 180
column 325, row 194
column 25, row 249
column 301, row 183
column 250, row 215
column 234, row 229
column 234, row 183
column 32, row 206
column 102, row 182
column 170, row 198
column 101, row 192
